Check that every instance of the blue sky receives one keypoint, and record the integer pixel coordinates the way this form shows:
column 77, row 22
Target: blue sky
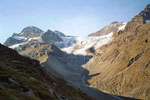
column 72, row 17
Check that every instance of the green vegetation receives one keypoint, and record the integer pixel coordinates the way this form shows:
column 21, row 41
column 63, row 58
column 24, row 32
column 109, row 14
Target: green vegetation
column 22, row 78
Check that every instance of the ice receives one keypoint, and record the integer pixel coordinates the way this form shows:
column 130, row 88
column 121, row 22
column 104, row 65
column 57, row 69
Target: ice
column 84, row 43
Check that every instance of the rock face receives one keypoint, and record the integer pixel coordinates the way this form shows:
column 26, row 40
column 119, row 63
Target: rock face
column 51, row 37
column 107, row 29
column 124, row 64
column 14, row 39
column 59, row 33
column 142, row 18
column 146, row 14
column 31, row 31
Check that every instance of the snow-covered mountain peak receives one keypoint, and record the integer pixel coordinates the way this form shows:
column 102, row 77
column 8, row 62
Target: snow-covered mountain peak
column 69, row 44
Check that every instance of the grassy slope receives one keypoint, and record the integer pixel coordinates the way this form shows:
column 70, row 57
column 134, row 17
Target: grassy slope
column 125, row 66
column 27, row 75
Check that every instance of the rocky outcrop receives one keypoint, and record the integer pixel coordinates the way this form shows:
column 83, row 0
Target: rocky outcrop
column 142, row 18
column 51, row 37
column 146, row 14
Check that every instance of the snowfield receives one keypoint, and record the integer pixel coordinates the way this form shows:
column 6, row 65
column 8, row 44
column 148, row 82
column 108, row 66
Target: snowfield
column 84, row 43
column 23, row 43
column 122, row 27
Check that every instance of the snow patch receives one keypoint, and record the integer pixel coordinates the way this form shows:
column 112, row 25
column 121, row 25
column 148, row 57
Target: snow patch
column 67, row 42
column 35, row 38
column 84, row 43
column 122, row 27
column 17, row 45
column 27, row 40
column 20, row 38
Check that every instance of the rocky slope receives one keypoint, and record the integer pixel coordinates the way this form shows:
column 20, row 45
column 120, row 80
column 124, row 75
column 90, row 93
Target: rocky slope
column 63, row 65
column 109, row 28
column 122, row 67
column 22, row 78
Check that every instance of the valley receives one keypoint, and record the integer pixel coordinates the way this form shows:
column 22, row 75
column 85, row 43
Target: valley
column 110, row 64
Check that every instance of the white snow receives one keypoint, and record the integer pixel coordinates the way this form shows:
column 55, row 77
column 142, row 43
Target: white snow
column 29, row 39
column 84, row 43
column 17, row 45
column 35, row 38
column 20, row 38
column 78, row 45
column 122, row 27
column 67, row 42
column 21, row 33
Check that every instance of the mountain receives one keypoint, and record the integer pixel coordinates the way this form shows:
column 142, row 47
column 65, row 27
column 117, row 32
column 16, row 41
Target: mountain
column 62, row 65
column 15, row 39
column 123, row 65
column 109, row 28
column 89, row 45
column 59, row 33
column 20, row 75
column 114, row 60
column 28, row 33
column 51, row 37
column 49, row 49
column 142, row 18
column 31, row 31
column 69, row 44
column 22, row 78
column 84, row 45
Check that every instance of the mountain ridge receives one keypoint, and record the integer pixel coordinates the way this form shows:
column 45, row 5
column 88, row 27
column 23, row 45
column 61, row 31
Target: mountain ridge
column 123, row 64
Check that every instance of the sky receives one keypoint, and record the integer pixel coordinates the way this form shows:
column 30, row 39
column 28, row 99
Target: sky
column 72, row 17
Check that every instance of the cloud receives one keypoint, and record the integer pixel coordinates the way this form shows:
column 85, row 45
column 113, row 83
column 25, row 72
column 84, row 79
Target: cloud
column 80, row 26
